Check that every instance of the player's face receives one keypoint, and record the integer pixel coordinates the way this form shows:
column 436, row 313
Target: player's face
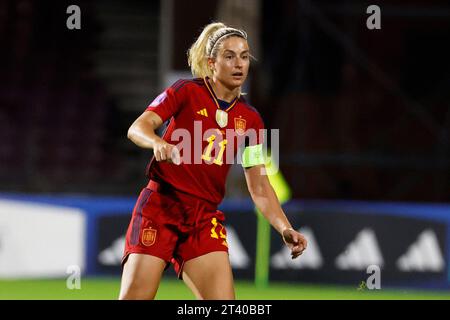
column 232, row 62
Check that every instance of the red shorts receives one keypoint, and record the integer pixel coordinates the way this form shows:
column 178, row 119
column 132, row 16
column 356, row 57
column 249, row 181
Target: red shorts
column 174, row 226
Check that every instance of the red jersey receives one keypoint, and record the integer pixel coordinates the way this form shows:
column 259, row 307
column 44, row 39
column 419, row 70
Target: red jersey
column 192, row 108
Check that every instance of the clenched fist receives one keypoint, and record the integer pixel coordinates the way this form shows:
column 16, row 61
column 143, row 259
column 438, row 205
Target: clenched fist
column 295, row 241
column 164, row 151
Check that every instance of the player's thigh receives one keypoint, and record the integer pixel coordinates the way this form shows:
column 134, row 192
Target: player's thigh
column 210, row 275
column 141, row 276
column 191, row 286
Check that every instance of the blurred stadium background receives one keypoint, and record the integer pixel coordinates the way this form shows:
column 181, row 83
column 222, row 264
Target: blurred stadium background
column 364, row 119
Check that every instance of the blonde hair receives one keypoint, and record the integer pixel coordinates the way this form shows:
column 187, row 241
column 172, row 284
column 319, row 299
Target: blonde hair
column 207, row 46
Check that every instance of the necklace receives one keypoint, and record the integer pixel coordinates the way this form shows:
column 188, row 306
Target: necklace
column 221, row 115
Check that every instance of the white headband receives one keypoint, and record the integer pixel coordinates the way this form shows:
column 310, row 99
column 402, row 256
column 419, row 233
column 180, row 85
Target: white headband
column 236, row 32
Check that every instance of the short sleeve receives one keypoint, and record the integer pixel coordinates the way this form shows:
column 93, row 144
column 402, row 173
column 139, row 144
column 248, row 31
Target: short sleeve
column 168, row 103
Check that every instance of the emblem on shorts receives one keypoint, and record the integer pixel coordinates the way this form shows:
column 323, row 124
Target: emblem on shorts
column 240, row 125
column 148, row 236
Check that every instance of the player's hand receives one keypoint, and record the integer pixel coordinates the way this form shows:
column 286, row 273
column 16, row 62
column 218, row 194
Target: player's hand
column 295, row 241
column 164, row 151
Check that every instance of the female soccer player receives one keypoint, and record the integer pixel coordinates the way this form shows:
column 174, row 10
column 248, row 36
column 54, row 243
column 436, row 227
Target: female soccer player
column 175, row 219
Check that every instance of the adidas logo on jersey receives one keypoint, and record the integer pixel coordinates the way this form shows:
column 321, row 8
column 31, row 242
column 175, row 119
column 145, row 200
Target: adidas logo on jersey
column 423, row 255
column 203, row 112
column 361, row 252
column 310, row 259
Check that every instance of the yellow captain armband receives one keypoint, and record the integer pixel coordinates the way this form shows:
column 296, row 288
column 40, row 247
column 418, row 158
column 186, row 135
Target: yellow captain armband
column 253, row 156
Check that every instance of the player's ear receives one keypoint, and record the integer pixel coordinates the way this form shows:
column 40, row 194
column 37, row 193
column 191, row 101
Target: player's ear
column 211, row 62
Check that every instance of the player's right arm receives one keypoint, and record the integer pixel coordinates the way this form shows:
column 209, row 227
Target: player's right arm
column 142, row 133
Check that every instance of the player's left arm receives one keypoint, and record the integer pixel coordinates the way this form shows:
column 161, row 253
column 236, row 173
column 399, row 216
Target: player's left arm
column 267, row 202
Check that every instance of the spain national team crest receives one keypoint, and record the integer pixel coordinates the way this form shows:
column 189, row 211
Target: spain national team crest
column 239, row 125
column 148, row 237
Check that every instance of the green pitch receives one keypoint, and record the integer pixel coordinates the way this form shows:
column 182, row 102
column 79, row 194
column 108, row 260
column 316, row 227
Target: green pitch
column 108, row 288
